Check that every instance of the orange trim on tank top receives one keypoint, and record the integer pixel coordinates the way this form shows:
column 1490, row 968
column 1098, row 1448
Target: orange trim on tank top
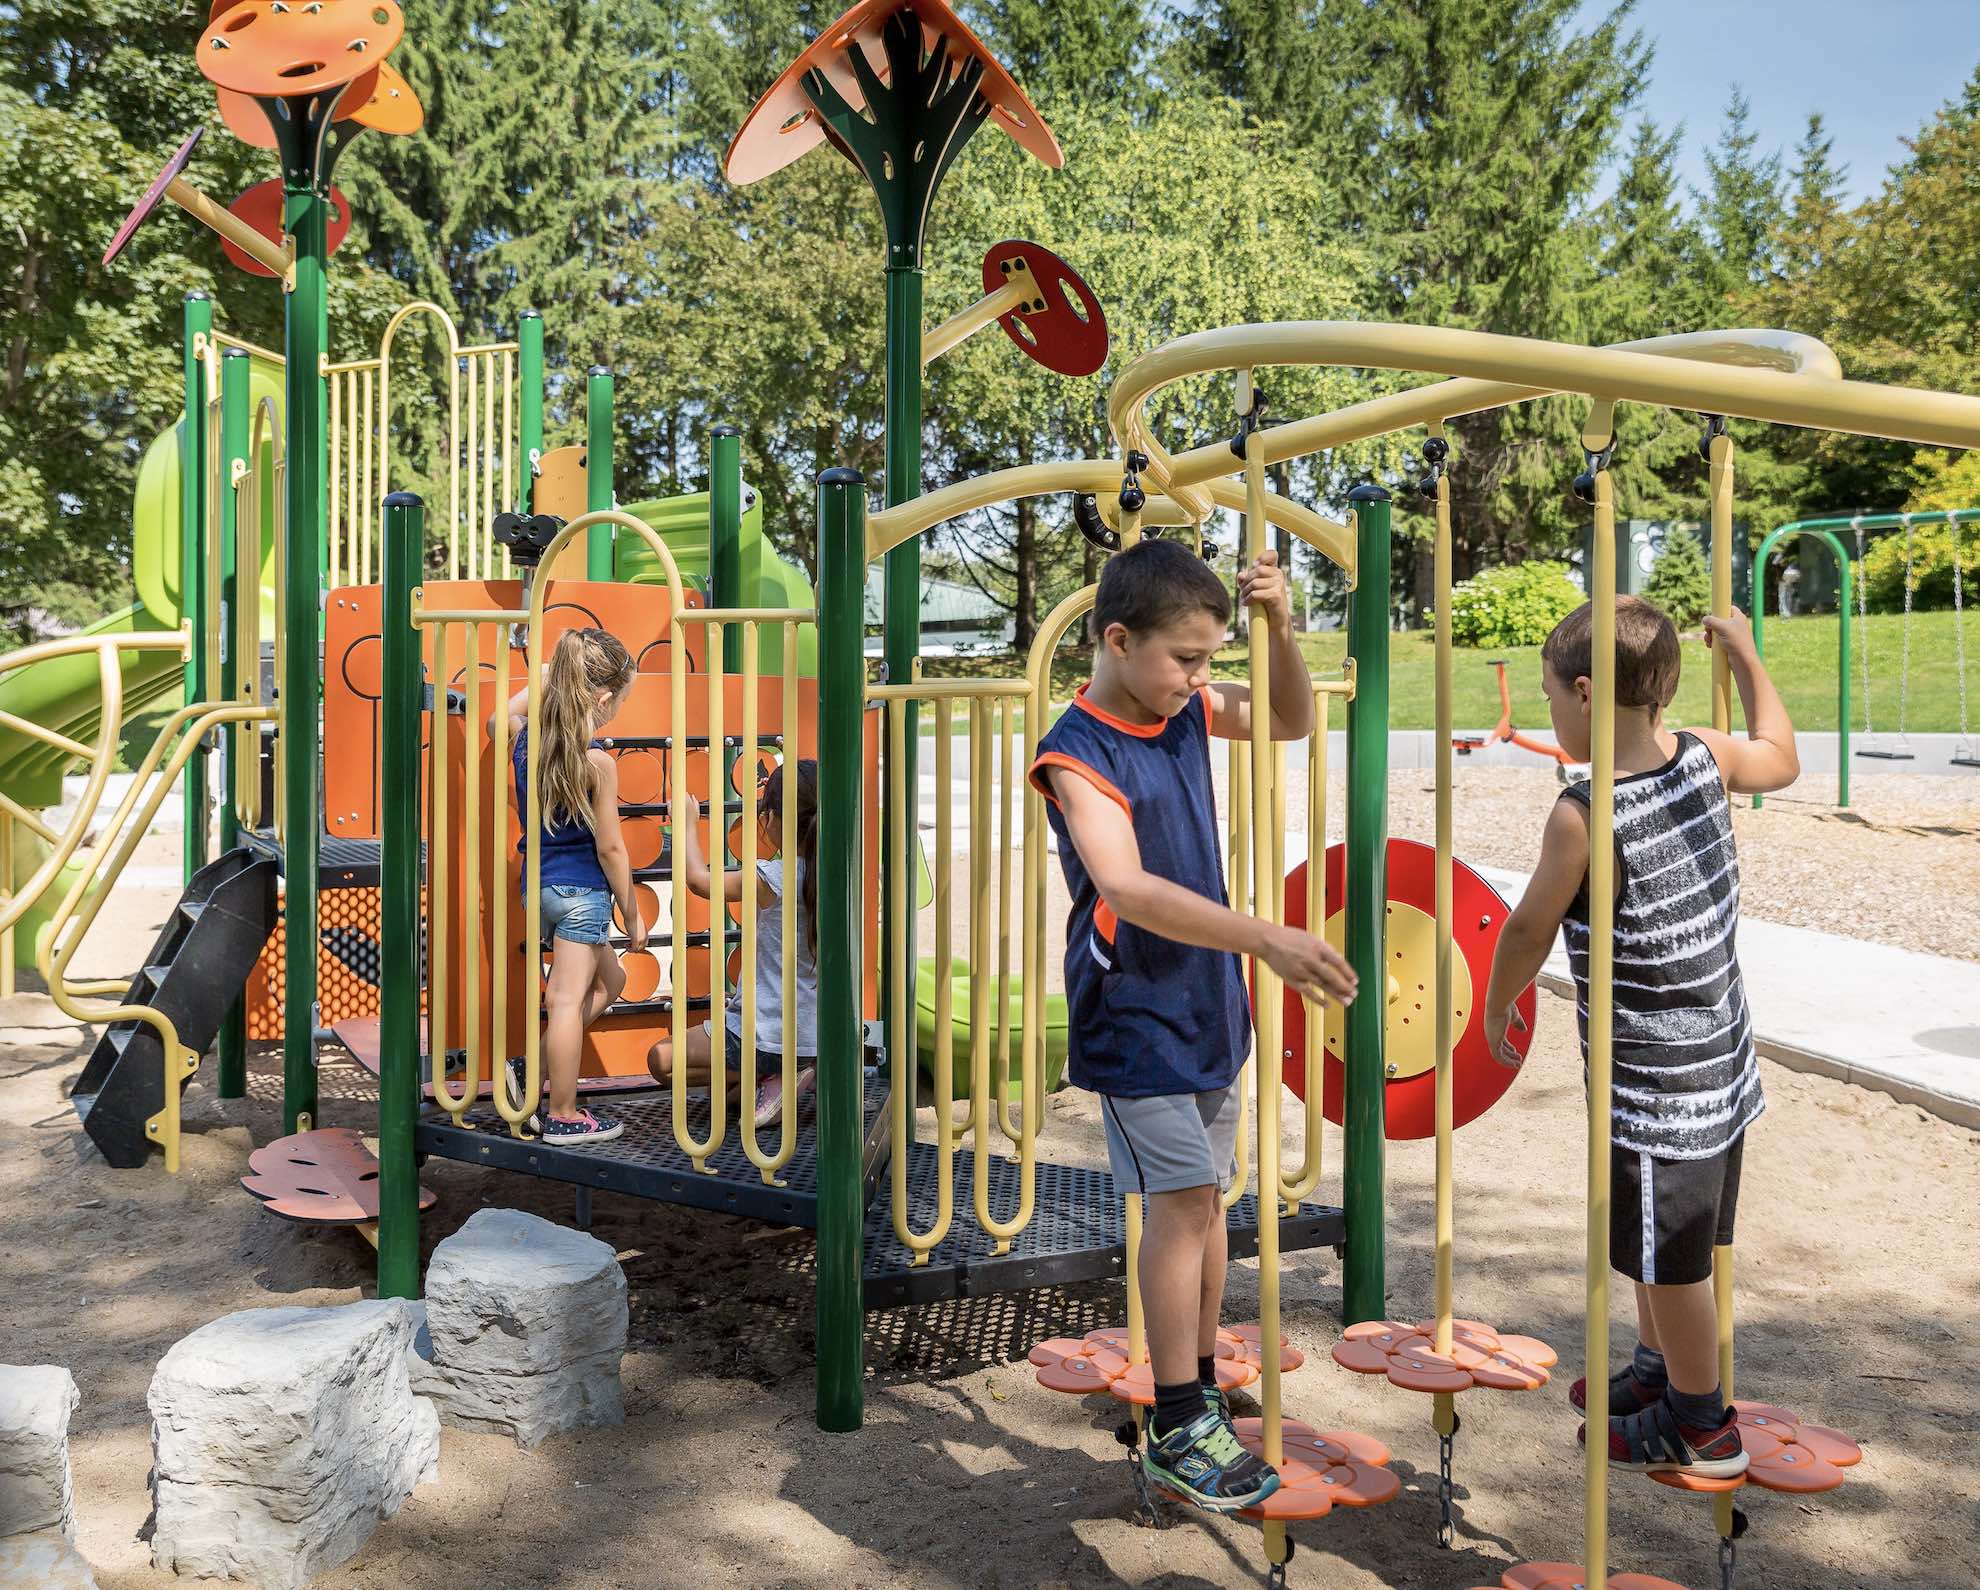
column 1141, row 731
column 1074, row 765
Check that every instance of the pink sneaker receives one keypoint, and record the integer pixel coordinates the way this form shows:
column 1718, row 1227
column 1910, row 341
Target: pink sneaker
column 770, row 1094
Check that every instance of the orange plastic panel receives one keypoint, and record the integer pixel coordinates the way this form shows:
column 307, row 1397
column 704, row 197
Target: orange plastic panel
column 1135, row 1384
column 1362, row 1484
column 642, row 974
column 1479, row 1333
column 1698, row 1484
column 1112, row 1336
column 783, row 127
column 1502, row 1372
column 392, row 106
column 264, row 48
column 1427, row 1372
column 1363, row 1357
column 1764, row 1414
column 1570, row 1576
column 1832, row 1446
column 1051, row 1352
column 639, row 777
column 1362, row 1449
column 1376, row 1329
column 325, row 1177
column 247, row 121
column 1078, row 1376
column 1303, row 1493
column 1794, row 1468
column 1530, row 1348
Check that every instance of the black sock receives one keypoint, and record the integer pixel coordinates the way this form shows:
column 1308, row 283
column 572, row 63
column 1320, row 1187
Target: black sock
column 1648, row 1366
column 1176, row 1406
column 1703, row 1411
column 1206, row 1371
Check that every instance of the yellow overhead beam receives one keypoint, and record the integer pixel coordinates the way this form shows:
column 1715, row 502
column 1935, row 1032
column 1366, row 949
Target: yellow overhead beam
column 1775, row 376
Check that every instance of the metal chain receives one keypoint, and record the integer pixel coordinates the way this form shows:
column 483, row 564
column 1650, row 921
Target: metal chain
column 1863, row 625
column 1446, row 1528
column 1904, row 666
column 1728, row 1562
column 1963, row 747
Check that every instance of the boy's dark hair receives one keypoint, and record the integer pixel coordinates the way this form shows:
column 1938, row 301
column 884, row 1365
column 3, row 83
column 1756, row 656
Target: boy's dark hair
column 1646, row 652
column 1153, row 584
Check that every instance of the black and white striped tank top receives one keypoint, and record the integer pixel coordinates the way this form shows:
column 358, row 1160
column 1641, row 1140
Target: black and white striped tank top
column 1686, row 1080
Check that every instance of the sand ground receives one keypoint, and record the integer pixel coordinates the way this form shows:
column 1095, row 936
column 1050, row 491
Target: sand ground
column 1857, row 1282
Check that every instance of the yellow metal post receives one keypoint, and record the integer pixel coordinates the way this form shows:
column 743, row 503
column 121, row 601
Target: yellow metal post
column 1722, row 572
column 1443, row 1409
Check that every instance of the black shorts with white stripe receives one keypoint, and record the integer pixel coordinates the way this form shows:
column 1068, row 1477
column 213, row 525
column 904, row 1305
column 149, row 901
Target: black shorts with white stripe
column 1666, row 1215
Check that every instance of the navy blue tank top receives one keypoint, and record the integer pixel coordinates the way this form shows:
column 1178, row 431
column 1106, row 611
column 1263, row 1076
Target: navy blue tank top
column 1146, row 1015
column 570, row 850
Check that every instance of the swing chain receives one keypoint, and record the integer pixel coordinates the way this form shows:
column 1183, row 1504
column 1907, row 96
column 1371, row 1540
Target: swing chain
column 1863, row 625
column 1715, row 425
column 1436, row 455
column 1728, row 1562
column 1963, row 747
column 1595, row 460
column 1250, row 420
column 1147, row 1505
column 1275, row 1572
column 1133, row 498
column 1904, row 663
column 1446, row 1526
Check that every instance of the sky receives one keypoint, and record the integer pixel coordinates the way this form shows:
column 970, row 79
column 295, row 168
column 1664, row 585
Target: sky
column 1876, row 69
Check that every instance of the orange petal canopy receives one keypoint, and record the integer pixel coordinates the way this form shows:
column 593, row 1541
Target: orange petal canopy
column 784, row 127
column 264, row 49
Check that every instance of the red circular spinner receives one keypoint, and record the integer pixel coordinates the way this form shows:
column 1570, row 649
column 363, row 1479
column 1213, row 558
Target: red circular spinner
column 1065, row 329
column 1477, row 914
column 261, row 208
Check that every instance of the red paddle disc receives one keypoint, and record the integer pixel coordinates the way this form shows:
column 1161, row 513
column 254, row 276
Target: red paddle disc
column 1478, row 1080
column 261, row 208
column 1065, row 330
column 152, row 195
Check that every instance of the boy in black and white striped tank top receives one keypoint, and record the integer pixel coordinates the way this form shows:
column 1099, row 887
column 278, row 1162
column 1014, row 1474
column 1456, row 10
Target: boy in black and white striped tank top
column 1686, row 1082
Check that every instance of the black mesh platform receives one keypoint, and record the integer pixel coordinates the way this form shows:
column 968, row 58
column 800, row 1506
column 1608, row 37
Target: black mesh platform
column 646, row 1162
column 1075, row 1232
column 340, row 863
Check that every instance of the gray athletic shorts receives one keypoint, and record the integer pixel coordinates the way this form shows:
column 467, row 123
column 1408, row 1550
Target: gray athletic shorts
column 1174, row 1141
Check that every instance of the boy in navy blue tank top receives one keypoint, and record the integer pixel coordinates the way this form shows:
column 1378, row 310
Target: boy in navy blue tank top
column 1159, row 1020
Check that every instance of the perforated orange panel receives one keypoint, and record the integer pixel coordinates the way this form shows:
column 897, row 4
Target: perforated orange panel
column 346, row 964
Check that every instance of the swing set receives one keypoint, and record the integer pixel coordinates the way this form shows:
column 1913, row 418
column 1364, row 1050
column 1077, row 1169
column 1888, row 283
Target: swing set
column 1852, row 630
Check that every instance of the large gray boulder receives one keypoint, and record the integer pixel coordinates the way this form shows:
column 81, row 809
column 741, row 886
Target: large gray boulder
column 44, row 1561
column 525, row 1327
column 35, row 1404
column 282, row 1437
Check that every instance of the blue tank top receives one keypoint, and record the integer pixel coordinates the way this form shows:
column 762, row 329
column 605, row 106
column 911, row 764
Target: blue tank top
column 1146, row 1015
column 570, row 850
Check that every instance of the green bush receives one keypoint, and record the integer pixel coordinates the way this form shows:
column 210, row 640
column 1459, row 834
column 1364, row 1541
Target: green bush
column 1515, row 606
column 1679, row 582
column 1931, row 567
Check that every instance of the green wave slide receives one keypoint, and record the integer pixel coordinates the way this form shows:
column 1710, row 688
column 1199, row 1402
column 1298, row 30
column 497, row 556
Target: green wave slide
column 63, row 693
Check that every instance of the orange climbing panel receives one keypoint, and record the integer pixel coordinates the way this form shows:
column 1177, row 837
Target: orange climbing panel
column 1571, row 1576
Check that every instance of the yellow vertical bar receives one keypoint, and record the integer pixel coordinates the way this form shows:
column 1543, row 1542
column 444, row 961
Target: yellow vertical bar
column 490, row 460
column 1293, row 1189
column 718, row 839
column 943, row 865
column 1722, row 1302
column 900, row 983
column 440, row 847
column 377, row 470
column 1239, row 888
column 501, row 761
column 1722, row 574
column 1601, row 1004
column 1266, row 895
column 454, row 482
column 1444, row 1411
column 475, row 567
column 746, row 865
column 1002, row 1077
column 787, row 848
column 507, row 448
column 335, row 482
column 485, row 869
column 677, row 798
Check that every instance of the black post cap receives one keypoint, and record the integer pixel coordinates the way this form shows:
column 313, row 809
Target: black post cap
column 531, row 314
column 599, row 369
column 233, row 353
column 198, row 295
column 404, row 499
column 1368, row 491
column 725, row 430
column 842, row 475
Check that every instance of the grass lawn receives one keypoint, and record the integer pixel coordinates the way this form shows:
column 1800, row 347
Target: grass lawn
column 1801, row 652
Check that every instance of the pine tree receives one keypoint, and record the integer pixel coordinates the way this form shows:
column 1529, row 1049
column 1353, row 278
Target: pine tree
column 1067, row 51
column 1741, row 207
column 1680, row 582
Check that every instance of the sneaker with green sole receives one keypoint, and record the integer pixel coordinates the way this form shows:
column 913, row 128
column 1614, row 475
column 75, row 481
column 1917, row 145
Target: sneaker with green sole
column 1203, row 1463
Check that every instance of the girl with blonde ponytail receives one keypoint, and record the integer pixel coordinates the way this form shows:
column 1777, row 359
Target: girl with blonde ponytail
column 584, row 869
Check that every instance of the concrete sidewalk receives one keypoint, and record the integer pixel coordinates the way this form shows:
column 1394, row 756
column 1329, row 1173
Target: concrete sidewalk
column 1899, row 1021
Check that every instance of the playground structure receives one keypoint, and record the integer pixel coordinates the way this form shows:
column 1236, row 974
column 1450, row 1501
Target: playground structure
column 302, row 489
column 1504, row 733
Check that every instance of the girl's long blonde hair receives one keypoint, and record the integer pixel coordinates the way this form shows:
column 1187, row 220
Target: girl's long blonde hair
column 585, row 663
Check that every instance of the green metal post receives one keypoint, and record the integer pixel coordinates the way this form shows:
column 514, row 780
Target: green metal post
column 398, row 925
column 193, row 472
column 234, row 403
column 901, row 609
column 725, row 570
column 1364, row 1273
column 598, row 563
column 840, row 1324
column 302, row 610
column 530, row 335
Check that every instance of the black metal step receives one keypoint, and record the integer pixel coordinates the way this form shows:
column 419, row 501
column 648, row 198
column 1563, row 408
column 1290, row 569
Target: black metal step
column 195, row 970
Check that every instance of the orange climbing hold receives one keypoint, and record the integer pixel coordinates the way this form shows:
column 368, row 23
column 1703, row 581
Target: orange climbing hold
column 1101, row 1357
column 1570, row 1576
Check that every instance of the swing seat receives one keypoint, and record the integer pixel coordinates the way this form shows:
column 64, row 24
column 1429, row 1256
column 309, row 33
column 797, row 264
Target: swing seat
column 1888, row 756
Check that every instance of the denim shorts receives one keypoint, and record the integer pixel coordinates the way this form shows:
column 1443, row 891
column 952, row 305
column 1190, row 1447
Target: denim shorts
column 575, row 914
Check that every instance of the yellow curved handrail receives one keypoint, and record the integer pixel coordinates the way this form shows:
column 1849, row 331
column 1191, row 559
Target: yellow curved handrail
column 16, row 903
column 56, row 944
